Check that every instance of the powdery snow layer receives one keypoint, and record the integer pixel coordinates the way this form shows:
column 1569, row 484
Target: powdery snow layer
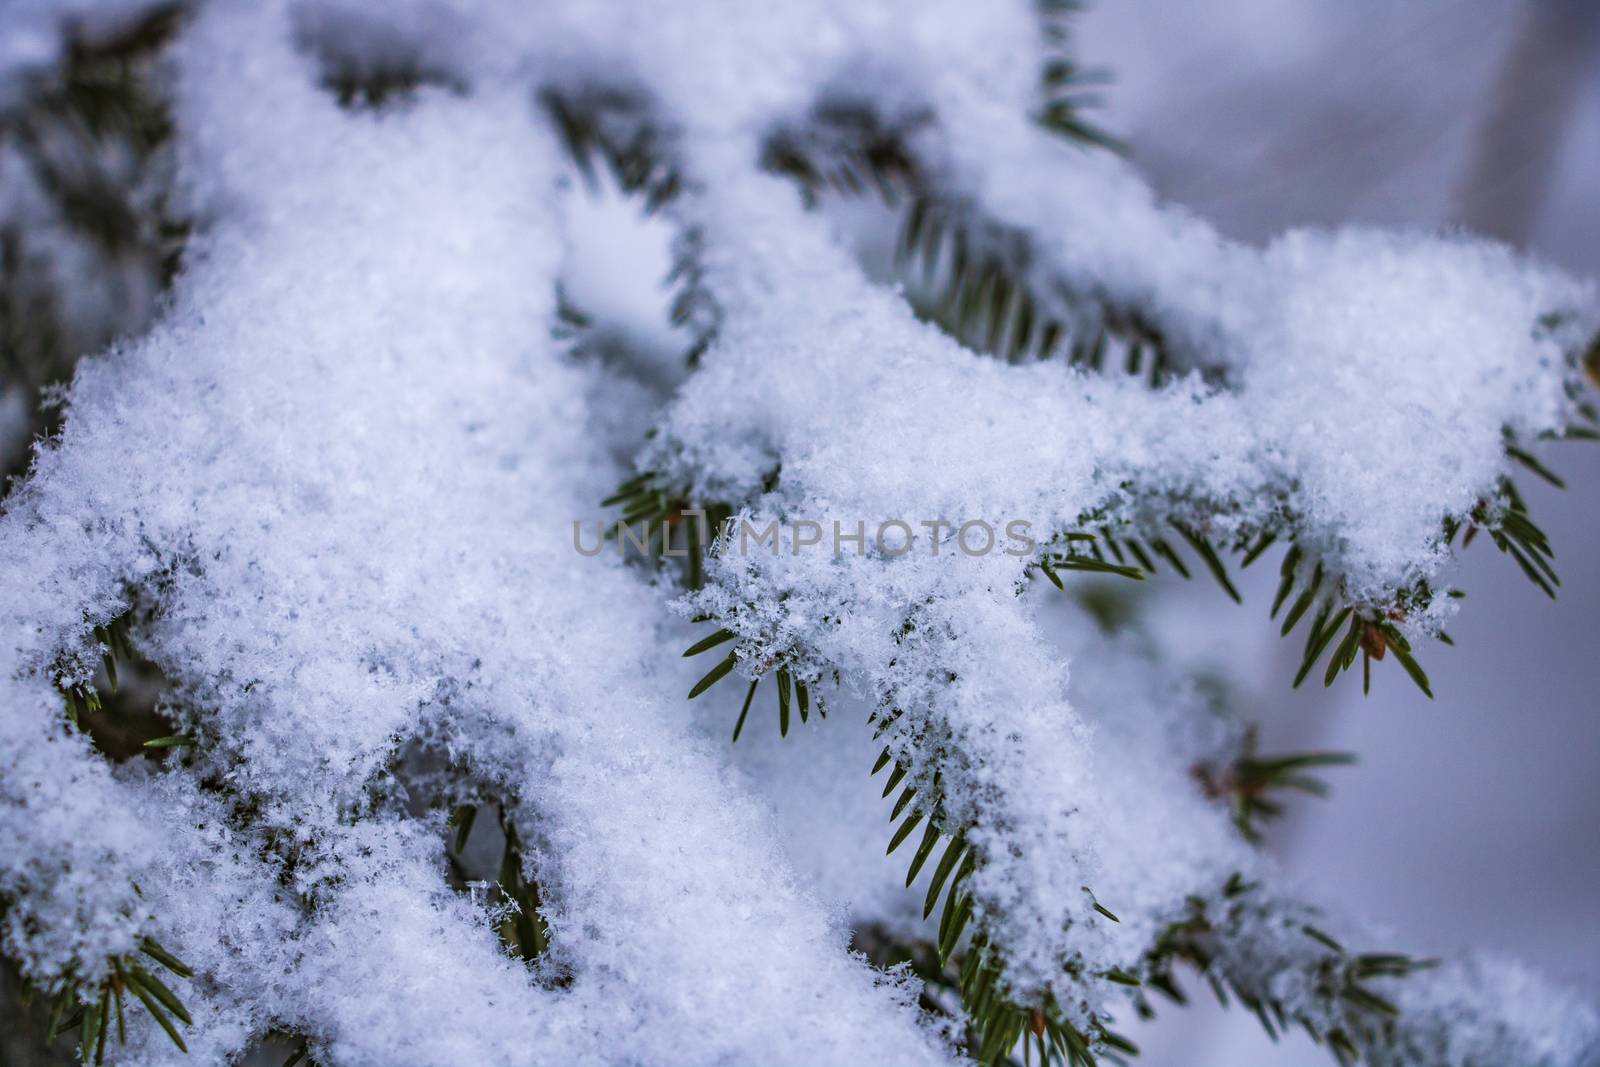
column 337, row 482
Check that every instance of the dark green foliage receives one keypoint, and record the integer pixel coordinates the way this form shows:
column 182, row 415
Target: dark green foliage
column 1338, row 976
column 1065, row 88
column 616, row 127
column 374, row 79
column 1208, row 555
column 717, row 673
column 994, row 1025
column 1254, row 784
column 956, row 861
column 103, row 93
column 120, row 719
column 794, row 695
column 1369, row 633
column 1128, row 551
column 523, row 928
column 1512, row 530
column 95, row 1011
column 91, row 132
column 845, row 146
column 970, row 274
column 977, row 279
column 653, row 512
column 995, row 1022
column 120, row 709
column 1128, row 555
column 525, row 931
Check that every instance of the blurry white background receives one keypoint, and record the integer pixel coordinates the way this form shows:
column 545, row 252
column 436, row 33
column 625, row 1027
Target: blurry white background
column 1472, row 821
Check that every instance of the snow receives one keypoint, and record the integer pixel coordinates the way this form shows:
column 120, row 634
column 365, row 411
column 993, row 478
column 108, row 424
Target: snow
column 336, row 483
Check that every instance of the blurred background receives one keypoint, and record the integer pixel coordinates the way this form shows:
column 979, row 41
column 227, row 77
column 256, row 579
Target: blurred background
column 1473, row 820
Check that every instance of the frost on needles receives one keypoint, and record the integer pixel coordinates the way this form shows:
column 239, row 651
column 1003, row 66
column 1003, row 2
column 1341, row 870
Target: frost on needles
column 328, row 496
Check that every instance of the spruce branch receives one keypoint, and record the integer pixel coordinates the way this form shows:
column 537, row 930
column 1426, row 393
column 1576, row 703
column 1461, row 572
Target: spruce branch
column 616, row 127
column 972, row 275
column 522, row 927
column 93, row 1008
column 93, row 134
column 1254, row 784
column 977, row 797
column 1216, row 937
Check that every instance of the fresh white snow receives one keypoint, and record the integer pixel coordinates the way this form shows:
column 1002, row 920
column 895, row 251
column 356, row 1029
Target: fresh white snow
column 338, row 478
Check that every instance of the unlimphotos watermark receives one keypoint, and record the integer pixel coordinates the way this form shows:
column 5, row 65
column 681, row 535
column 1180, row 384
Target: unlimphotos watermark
column 889, row 538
